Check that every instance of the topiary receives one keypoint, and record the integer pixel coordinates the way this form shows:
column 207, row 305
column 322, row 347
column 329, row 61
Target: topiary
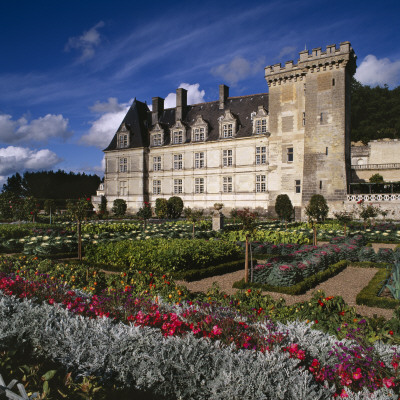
column 317, row 208
column 174, row 207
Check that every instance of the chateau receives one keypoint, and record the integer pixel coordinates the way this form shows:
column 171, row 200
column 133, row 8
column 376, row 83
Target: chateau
column 242, row 151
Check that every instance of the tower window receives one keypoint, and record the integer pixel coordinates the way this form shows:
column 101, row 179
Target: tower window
column 320, row 184
column 333, row 82
column 326, row 151
column 289, row 154
column 297, row 186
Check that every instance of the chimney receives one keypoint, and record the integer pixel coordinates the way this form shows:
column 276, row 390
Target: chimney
column 181, row 103
column 158, row 109
column 223, row 95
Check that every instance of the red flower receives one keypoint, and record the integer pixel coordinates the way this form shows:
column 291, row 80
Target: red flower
column 390, row 332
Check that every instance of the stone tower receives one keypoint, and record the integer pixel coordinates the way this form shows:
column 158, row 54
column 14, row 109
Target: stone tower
column 309, row 109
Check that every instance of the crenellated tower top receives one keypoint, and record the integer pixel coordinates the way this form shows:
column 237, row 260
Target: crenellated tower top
column 315, row 61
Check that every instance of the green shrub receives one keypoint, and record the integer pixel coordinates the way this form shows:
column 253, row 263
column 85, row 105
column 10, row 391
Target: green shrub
column 119, row 207
column 284, row 207
column 161, row 209
column 317, row 208
column 175, row 207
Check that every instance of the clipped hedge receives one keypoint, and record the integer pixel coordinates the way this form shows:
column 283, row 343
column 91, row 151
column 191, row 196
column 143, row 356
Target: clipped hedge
column 163, row 254
column 301, row 287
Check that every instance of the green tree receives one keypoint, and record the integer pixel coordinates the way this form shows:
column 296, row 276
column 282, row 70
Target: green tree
column 31, row 207
column 193, row 216
column 161, row 209
column 376, row 178
column 103, row 207
column 344, row 218
column 284, row 207
column 14, row 185
column 175, row 207
column 145, row 213
column 317, row 209
column 8, row 201
column 119, row 207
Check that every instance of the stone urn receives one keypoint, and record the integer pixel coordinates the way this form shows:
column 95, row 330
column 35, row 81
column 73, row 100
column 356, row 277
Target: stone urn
column 218, row 206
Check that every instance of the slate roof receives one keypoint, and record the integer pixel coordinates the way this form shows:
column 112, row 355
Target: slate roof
column 138, row 119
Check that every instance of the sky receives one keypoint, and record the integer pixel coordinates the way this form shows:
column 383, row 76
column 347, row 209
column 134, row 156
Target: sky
column 69, row 70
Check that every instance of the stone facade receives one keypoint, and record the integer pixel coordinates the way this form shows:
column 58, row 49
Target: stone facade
column 242, row 151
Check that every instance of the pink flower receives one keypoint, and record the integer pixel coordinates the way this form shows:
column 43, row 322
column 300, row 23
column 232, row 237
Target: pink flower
column 357, row 375
column 388, row 382
column 344, row 394
column 216, row 331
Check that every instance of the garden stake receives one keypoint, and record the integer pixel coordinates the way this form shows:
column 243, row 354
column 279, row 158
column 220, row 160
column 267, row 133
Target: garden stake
column 246, row 261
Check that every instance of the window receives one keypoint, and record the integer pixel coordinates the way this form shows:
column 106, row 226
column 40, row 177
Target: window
column 156, row 187
column 123, row 188
column 177, row 137
column 261, row 126
column 297, row 186
column 289, row 154
column 178, row 161
column 333, row 82
column 321, row 118
column 157, row 139
column 123, row 140
column 199, row 185
column 123, row 165
column 199, row 160
column 261, row 155
column 199, row 134
column 177, row 186
column 261, row 185
column 304, row 119
column 320, row 184
column 157, row 163
column 326, row 151
column 227, row 130
column 227, row 158
column 227, row 184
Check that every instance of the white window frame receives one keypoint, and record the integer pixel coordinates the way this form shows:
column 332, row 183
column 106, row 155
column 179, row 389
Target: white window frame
column 261, row 183
column 199, row 134
column 157, row 163
column 199, row 160
column 123, row 188
column 123, row 164
column 123, row 140
column 178, row 186
column 178, row 161
column 227, row 130
column 156, row 186
column 156, row 139
column 260, row 125
column 199, row 185
column 227, row 184
column 227, row 158
column 177, row 136
column 261, row 155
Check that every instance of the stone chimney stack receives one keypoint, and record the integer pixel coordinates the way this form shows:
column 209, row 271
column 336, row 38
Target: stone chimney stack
column 181, row 104
column 158, row 109
column 223, row 95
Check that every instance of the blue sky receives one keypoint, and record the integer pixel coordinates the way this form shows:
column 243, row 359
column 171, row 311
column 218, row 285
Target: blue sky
column 69, row 69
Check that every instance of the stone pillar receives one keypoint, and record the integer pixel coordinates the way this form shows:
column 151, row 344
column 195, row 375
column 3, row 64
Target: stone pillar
column 217, row 220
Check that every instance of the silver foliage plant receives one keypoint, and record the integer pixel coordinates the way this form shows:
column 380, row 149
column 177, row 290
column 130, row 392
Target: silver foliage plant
column 180, row 368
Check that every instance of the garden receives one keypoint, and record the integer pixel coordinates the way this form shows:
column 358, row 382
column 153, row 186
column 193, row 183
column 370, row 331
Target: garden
column 118, row 321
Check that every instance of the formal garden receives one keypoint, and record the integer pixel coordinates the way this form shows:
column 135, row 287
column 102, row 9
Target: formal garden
column 95, row 306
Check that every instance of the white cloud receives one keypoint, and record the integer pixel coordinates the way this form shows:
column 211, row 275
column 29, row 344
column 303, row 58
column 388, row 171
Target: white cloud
column 86, row 43
column 374, row 71
column 287, row 51
column 14, row 159
column 103, row 128
column 194, row 95
column 38, row 130
column 238, row 69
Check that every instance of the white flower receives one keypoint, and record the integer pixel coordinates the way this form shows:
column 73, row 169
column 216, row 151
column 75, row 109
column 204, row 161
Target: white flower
column 385, row 234
column 46, row 237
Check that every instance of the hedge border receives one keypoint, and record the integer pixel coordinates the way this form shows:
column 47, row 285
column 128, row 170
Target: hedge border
column 301, row 287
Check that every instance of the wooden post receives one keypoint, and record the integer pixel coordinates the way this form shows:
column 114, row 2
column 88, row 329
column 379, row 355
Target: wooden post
column 246, row 262
column 314, row 234
column 79, row 241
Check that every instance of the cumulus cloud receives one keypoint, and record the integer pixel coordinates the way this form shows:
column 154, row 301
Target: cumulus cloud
column 104, row 127
column 374, row 71
column 287, row 51
column 38, row 130
column 86, row 43
column 194, row 95
column 238, row 69
column 15, row 159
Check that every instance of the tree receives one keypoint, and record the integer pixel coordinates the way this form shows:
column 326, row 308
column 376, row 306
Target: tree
column 175, row 207
column 145, row 213
column 284, row 207
column 193, row 216
column 376, row 178
column 344, row 218
column 161, row 209
column 31, row 207
column 119, row 207
column 78, row 211
column 103, row 207
column 8, row 201
column 14, row 185
column 317, row 209
column 367, row 212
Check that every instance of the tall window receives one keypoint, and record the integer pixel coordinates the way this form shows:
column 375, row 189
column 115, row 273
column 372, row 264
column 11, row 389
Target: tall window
column 123, row 188
column 199, row 134
column 199, row 160
column 123, row 140
column 261, row 155
column 227, row 130
column 177, row 186
column 227, row 158
column 157, row 163
column 123, row 165
column 227, row 184
column 178, row 137
column 261, row 183
column 157, row 139
column 261, row 125
column 289, row 154
column 156, row 186
column 199, row 185
column 178, row 161
column 304, row 119
column 297, row 186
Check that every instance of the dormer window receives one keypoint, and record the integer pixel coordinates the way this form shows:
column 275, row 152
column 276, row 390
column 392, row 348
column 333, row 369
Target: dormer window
column 199, row 130
column 123, row 140
column 157, row 136
column 260, row 121
column 227, row 125
column 178, row 133
column 177, row 137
